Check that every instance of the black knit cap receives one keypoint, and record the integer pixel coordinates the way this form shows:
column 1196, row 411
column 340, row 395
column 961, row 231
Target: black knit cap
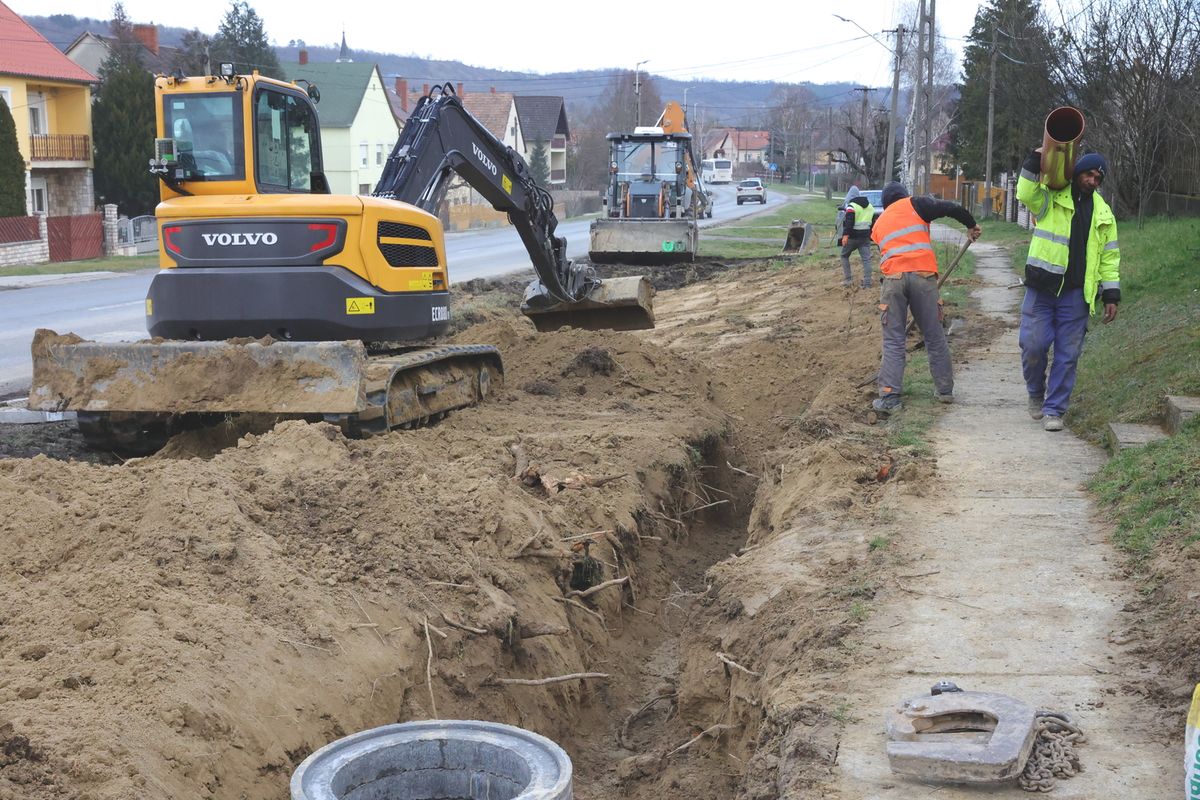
column 892, row 192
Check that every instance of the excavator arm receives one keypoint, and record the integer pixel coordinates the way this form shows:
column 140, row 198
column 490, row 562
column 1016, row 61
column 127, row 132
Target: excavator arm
column 442, row 138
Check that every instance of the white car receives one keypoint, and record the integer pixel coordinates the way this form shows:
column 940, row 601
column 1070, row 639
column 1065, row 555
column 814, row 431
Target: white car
column 751, row 189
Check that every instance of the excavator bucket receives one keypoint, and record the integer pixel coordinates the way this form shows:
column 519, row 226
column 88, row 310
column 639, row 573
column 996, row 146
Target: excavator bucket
column 619, row 304
column 70, row 374
column 643, row 241
column 800, row 237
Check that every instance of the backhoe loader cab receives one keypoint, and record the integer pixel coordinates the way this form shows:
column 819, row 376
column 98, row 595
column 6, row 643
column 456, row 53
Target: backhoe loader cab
column 654, row 196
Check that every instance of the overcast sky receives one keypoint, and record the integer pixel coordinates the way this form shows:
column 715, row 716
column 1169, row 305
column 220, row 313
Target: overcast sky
column 764, row 40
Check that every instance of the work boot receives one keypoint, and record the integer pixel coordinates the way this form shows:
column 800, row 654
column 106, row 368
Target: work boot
column 947, row 398
column 886, row 404
column 865, row 285
column 1035, row 406
column 1052, row 424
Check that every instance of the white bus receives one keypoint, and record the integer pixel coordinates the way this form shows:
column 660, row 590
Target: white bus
column 716, row 170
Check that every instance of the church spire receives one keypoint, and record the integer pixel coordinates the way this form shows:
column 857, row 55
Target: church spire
column 344, row 55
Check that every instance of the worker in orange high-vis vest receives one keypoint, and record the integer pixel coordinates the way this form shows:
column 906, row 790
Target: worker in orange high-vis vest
column 909, row 267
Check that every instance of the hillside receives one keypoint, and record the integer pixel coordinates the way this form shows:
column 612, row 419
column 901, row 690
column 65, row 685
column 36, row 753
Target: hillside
column 728, row 102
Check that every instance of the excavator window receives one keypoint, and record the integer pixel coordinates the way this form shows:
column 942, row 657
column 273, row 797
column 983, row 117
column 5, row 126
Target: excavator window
column 287, row 149
column 207, row 130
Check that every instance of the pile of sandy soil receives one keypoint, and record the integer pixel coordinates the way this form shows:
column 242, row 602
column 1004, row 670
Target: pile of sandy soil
column 195, row 623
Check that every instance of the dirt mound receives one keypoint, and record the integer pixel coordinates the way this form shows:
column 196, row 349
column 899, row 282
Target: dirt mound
column 195, row 623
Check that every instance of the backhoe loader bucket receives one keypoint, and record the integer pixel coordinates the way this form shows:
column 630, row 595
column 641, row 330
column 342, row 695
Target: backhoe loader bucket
column 800, row 237
column 619, row 304
column 643, row 241
column 184, row 377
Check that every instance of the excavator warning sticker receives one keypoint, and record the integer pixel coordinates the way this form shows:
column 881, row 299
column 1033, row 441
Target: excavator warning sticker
column 421, row 284
column 507, row 183
column 668, row 247
column 149, row 307
column 360, row 305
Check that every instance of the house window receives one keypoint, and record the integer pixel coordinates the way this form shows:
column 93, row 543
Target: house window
column 362, row 154
column 379, row 154
column 6, row 94
column 37, row 113
column 35, row 120
column 364, row 188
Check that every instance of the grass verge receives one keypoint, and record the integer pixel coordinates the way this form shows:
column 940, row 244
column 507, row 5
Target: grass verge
column 111, row 264
column 1128, row 367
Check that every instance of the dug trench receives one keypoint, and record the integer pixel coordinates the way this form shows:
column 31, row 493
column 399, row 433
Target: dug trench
column 195, row 623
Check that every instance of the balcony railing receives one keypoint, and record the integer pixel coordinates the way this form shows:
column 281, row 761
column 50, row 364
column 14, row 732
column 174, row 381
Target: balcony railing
column 558, row 175
column 558, row 143
column 60, row 147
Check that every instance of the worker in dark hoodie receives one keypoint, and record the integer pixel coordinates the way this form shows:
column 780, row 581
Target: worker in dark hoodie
column 909, row 266
column 856, row 235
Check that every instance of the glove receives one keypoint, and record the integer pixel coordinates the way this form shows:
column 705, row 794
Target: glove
column 845, row 239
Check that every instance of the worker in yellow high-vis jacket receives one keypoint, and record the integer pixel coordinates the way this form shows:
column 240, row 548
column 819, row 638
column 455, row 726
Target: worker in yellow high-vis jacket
column 1073, row 264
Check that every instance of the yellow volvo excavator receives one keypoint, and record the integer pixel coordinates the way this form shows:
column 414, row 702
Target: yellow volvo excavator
column 276, row 297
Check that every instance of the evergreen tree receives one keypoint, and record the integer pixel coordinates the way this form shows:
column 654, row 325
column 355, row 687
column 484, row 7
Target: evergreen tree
column 12, row 167
column 539, row 163
column 242, row 39
column 192, row 57
column 1025, row 92
column 123, row 124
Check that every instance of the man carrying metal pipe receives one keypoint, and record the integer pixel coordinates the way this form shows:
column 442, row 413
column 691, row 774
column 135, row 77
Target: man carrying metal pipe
column 1074, row 259
column 909, row 267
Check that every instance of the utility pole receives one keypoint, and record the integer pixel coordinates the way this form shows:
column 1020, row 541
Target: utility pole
column 889, row 169
column 987, row 176
column 829, row 160
column 928, row 28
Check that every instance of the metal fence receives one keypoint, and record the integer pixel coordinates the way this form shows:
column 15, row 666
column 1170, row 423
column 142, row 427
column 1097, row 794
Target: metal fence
column 141, row 232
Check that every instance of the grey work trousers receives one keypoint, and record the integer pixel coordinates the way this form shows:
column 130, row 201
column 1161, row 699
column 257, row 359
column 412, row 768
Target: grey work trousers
column 863, row 246
column 919, row 292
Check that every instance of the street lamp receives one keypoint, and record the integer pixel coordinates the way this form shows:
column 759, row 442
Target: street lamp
column 637, row 87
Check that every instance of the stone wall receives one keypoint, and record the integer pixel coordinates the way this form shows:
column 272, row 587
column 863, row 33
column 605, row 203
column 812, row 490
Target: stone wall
column 34, row 252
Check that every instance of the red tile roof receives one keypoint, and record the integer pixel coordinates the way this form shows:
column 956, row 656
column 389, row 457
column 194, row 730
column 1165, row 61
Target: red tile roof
column 490, row 108
column 26, row 52
column 753, row 140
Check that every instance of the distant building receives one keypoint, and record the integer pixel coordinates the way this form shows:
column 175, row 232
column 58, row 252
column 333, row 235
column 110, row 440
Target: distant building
column 50, row 98
column 747, row 148
column 90, row 50
column 358, row 128
column 544, row 119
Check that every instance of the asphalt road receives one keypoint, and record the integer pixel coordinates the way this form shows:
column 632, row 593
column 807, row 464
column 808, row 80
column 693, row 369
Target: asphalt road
column 110, row 306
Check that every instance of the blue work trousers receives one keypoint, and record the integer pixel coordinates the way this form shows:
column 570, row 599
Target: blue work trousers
column 1059, row 322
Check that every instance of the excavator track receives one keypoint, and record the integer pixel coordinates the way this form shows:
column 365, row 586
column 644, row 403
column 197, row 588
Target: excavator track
column 405, row 388
column 411, row 388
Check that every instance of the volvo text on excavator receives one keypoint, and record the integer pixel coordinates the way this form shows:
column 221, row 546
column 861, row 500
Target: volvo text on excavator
column 276, row 297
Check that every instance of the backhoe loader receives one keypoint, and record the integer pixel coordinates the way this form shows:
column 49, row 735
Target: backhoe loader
column 654, row 196
column 276, row 297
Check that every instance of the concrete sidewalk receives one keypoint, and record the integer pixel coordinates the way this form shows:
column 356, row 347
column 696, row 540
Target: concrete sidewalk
column 26, row 281
column 1014, row 588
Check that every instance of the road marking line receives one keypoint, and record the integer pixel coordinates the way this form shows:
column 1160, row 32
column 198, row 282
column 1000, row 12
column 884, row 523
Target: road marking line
column 117, row 305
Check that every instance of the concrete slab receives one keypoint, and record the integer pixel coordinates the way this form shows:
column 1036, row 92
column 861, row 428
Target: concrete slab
column 1124, row 435
column 1179, row 411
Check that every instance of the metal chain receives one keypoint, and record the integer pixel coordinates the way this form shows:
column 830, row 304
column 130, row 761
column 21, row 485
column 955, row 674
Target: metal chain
column 1053, row 757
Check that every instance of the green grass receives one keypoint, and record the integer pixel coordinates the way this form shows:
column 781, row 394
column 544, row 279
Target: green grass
column 877, row 543
column 1153, row 347
column 1155, row 492
column 1128, row 366
column 111, row 264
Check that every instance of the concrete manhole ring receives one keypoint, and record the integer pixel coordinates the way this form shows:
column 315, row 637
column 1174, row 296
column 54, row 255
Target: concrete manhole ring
column 436, row 760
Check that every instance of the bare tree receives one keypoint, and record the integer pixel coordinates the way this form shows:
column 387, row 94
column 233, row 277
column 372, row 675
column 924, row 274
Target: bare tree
column 1129, row 64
